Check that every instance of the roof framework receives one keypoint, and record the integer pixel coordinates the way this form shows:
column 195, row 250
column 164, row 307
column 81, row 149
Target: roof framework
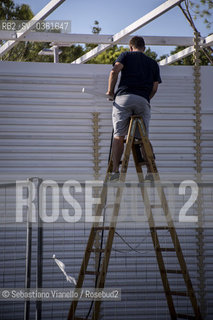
column 104, row 41
column 49, row 8
column 206, row 42
column 152, row 15
column 68, row 39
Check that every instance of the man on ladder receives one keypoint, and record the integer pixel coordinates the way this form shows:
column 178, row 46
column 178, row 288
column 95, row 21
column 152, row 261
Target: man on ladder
column 139, row 81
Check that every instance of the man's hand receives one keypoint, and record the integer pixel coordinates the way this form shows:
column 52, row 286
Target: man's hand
column 110, row 95
column 154, row 90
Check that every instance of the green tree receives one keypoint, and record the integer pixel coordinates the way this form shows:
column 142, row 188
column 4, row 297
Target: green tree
column 151, row 54
column 8, row 10
column 23, row 51
column 194, row 9
column 108, row 56
column 202, row 9
column 70, row 54
column 111, row 54
column 95, row 30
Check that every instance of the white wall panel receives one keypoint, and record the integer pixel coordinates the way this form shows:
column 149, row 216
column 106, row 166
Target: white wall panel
column 46, row 130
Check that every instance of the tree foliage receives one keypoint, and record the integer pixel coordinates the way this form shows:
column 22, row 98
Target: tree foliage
column 110, row 55
column 96, row 28
column 202, row 9
column 28, row 51
column 72, row 53
column 10, row 11
column 23, row 51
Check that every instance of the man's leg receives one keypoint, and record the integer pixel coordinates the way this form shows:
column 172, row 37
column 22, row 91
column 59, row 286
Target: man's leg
column 120, row 117
column 117, row 151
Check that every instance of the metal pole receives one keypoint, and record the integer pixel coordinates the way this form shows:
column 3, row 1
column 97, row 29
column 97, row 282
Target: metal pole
column 39, row 268
column 56, row 54
column 198, row 162
column 28, row 252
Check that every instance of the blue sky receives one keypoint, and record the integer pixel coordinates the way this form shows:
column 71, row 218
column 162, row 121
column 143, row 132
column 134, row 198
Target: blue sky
column 114, row 15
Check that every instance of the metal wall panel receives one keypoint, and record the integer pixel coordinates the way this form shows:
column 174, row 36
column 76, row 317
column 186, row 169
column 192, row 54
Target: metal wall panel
column 46, row 130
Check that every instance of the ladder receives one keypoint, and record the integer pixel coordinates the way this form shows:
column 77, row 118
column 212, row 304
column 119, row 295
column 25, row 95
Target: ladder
column 104, row 252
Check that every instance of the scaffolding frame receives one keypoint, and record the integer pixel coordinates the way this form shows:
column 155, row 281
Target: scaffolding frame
column 104, row 41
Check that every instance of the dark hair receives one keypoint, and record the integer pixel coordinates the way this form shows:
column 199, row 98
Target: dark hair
column 137, row 42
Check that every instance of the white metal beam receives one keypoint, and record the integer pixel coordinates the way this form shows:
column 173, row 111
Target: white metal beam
column 166, row 6
column 67, row 39
column 107, row 39
column 207, row 42
column 49, row 8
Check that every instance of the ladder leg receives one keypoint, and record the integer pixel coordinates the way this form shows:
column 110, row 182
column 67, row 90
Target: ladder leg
column 179, row 252
column 155, row 239
column 105, row 263
column 99, row 208
column 177, row 248
column 89, row 246
column 185, row 273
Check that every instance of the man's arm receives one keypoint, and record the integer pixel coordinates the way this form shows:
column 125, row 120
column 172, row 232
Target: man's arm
column 113, row 77
column 154, row 90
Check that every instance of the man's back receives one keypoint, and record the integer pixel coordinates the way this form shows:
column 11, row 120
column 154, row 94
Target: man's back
column 139, row 81
column 138, row 74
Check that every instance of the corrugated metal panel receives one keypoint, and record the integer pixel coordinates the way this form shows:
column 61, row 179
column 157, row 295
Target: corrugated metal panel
column 46, row 130
column 172, row 122
column 46, row 121
column 42, row 118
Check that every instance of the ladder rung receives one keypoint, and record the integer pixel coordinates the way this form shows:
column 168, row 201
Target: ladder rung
column 92, row 273
column 161, row 228
column 174, row 271
column 110, row 206
column 143, row 163
column 101, row 228
column 97, row 250
column 166, row 249
column 179, row 293
column 185, row 316
column 156, row 206
column 138, row 142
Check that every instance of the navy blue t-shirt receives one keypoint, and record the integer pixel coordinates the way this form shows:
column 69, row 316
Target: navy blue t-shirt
column 138, row 74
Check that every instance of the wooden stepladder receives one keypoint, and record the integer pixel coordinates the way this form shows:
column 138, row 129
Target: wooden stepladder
column 105, row 249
